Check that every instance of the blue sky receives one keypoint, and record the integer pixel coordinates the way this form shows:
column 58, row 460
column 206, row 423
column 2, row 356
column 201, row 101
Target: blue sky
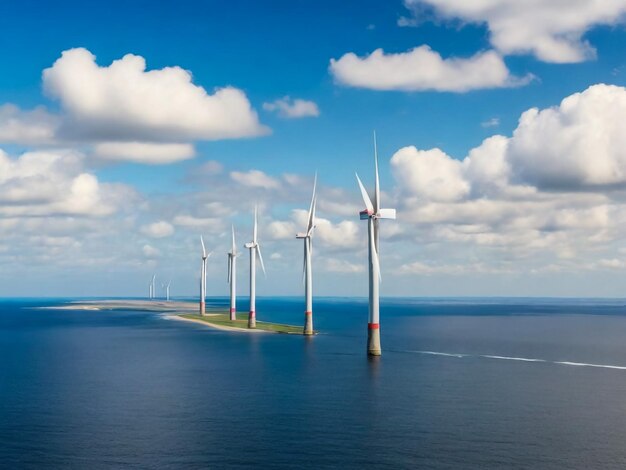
column 456, row 234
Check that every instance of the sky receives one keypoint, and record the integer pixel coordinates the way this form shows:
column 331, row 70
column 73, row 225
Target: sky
column 129, row 129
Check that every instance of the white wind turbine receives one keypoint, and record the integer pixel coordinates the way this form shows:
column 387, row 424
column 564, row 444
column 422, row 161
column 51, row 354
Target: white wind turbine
column 205, row 256
column 255, row 250
column 372, row 214
column 167, row 290
column 307, row 269
column 232, row 277
column 152, row 292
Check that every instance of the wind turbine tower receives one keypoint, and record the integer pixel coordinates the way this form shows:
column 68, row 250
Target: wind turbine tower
column 167, row 290
column 232, row 277
column 373, row 213
column 205, row 256
column 307, row 269
column 255, row 250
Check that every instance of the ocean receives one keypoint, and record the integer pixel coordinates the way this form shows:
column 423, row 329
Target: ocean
column 462, row 384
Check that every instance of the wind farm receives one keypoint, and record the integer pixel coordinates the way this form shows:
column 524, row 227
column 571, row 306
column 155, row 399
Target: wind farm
column 421, row 203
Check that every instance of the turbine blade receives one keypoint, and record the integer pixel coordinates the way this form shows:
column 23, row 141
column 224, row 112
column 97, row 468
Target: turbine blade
column 311, row 207
column 365, row 196
column 203, row 248
column 258, row 252
column 304, row 263
column 374, row 253
column 254, row 230
column 377, row 187
column 234, row 250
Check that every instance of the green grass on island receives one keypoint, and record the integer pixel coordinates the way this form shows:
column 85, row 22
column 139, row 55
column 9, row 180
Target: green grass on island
column 223, row 319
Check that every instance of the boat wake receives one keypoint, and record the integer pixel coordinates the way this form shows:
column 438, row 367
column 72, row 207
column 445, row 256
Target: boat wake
column 522, row 359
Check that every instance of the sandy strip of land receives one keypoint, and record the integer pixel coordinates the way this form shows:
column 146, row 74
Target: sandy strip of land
column 217, row 327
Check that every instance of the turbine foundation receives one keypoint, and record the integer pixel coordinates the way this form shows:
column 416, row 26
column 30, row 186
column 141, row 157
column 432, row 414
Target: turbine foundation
column 308, row 323
column 202, row 309
column 252, row 320
column 233, row 314
column 373, row 339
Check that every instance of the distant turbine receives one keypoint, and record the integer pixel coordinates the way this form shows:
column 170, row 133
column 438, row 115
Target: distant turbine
column 306, row 267
column 167, row 290
column 232, row 277
column 205, row 256
column 255, row 250
column 152, row 291
column 372, row 213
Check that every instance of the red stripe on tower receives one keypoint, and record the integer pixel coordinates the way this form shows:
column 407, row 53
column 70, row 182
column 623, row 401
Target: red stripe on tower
column 373, row 326
column 308, row 313
column 252, row 313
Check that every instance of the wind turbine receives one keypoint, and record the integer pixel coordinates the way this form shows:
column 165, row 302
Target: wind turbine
column 306, row 267
column 255, row 250
column 167, row 290
column 232, row 277
column 372, row 214
column 152, row 292
column 205, row 256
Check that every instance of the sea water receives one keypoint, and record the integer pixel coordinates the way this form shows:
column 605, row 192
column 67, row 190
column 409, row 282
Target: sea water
column 462, row 383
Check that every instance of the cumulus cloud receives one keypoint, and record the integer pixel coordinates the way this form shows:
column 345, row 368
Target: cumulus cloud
column 158, row 229
column 343, row 266
column 27, row 127
column 423, row 69
column 54, row 183
column 144, row 152
column 150, row 252
column 291, row 108
column 343, row 234
column 551, row 30
column 124, row 101
column 254, row 179
column 556, row 184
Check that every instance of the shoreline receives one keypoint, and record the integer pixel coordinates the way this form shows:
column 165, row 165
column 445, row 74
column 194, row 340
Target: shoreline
column 217, row 327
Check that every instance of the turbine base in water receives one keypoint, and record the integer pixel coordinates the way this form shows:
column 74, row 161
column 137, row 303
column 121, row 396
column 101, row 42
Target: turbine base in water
column 233, row 314
column 308, row 323
column 373, row 339
column 252, row 320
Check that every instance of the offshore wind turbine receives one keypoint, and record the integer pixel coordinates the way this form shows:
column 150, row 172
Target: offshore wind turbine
column 255, row 250
column 152, row 292
column 167, row 290
column 373, row 213
column 306, row 266
column 232, row 277
column 205, row 256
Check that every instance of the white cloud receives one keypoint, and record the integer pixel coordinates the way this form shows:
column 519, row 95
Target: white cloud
column 551, row 30
column 158, row 229
column 343, row 266
column 201, row 222
column 54, row 183
column 27, row 127
column 150, row 252
column 144, row 152
column 254, row 179
column 492, row 122
column 423, row 69
column 342, row 234
column 123, row 101
column 555, row 186
column 579, row 143
column 291, row 108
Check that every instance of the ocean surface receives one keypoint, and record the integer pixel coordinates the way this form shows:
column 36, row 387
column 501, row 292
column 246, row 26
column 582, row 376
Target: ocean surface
column 462, row 384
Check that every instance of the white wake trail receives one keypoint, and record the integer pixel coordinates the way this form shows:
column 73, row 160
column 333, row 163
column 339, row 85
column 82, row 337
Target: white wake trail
column 522, row 359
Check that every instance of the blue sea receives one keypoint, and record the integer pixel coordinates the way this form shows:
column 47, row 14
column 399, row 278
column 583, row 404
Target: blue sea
column 462, row 384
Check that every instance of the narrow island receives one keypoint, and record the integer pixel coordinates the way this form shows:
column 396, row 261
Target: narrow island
column 215, row 317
